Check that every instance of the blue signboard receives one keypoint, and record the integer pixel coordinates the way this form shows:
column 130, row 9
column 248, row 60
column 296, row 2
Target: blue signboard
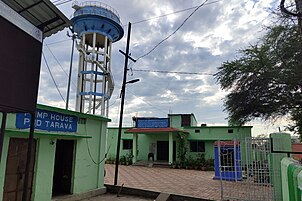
column 49, row 121
column 152, row 122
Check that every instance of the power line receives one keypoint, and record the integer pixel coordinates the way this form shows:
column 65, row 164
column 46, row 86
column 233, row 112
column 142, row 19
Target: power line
column 52, row 76
column 146, row 102
column 58, row 2
column 165, row 15
column 59, row 64
column 60, row 41
column 176, row 72
column 172, row 32
column 145, row 20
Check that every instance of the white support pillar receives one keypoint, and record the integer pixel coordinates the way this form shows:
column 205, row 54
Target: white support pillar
column 80, row 76
column 134, row 148
column 170, row 148
column 95, row 81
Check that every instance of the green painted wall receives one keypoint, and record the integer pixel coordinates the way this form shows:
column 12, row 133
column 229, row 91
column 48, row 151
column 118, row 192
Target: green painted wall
column 175, row 121
column 281, row 142
column 89, row 154
column 3, row 163
column 86, row 171
column 208, row 134
column 290, row 171
column 299, row 178
column 112, row 142
column 43, row 178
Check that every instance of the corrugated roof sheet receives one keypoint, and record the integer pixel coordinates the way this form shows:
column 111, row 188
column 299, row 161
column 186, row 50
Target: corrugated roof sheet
column 42, row 14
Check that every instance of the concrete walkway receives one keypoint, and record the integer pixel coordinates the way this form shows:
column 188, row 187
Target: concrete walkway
column 193, row 183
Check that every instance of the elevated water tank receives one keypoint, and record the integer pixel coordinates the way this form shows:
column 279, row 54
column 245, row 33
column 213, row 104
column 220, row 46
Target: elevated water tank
column 98, row 26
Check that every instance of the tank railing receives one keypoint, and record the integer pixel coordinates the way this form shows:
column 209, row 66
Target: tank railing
column 97, row 4
column 97, row 12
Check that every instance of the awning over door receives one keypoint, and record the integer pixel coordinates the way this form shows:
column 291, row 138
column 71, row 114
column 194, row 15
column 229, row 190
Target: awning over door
column 41, row 13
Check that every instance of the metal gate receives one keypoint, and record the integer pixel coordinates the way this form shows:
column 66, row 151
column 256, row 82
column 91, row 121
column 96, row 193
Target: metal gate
column 245, row 170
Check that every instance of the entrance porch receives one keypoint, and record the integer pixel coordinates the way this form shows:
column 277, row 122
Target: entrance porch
column 159, row 144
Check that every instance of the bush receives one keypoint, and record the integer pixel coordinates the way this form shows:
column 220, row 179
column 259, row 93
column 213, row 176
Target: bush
column 110, row 160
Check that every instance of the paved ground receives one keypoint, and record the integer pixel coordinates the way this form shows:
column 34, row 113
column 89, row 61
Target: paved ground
column 192, row 183
column 113, row 197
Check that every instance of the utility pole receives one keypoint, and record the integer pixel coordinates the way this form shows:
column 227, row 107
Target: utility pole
column 123, row 90
column 297, row 14
column 73, row 36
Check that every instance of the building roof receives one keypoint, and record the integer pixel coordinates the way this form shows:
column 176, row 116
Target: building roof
column 155, row 130
column 41, row 13
column 208, row 126
column 69, row 112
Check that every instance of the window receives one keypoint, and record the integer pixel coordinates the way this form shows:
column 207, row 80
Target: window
column 186, row 120
column 197, row 131
column 127, row 144
column 230, row 131
column 197, row 146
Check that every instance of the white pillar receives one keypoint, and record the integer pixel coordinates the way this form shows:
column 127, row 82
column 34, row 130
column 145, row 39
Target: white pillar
column 134, row 148
column 170, row 148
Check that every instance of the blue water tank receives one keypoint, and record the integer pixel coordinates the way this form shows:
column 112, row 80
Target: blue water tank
column 97, row 17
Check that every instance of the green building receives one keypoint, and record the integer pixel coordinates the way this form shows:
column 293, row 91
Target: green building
column 166, row 138
column 68, row 154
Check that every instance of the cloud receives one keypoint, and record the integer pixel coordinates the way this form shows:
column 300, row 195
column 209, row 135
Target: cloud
column 211, row 36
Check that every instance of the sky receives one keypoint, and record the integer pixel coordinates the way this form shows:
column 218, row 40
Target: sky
column 211, row 36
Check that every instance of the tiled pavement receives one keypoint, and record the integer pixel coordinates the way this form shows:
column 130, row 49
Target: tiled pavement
column 192, row 183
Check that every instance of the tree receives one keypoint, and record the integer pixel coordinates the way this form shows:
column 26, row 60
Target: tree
column 265, row 81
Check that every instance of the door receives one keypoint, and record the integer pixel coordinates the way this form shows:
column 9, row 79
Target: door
column 63, row 167
column 163, row 150
column 15, row 170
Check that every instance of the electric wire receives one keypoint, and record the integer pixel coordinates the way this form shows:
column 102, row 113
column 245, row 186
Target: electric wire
column 90, row 156
column 60, row 64
column 176, row 72
column 165, row 15
column 58, row 3
column 60, row 41
column 147, row 102
column 149, row 19
column 166, row 38
column 55, row 1
column 52, row 76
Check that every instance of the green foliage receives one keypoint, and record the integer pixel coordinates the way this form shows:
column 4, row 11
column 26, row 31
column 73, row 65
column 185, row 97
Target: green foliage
column 126, row 159
column 110, row 160
column 129, row 157
column 265, row 81
column 197, row 163
column 182, row 150
column 202, row 160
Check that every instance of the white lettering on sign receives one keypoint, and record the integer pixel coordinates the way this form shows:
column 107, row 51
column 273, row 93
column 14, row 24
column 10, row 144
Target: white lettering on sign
column 50, row 121
column 58, row 117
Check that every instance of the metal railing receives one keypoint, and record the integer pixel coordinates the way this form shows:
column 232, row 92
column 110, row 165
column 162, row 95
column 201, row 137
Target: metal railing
column 96, row 4
column 111, row 14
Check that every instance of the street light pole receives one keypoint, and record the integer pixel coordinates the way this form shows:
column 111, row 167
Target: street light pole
column 70, row 69
column 122, row 105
